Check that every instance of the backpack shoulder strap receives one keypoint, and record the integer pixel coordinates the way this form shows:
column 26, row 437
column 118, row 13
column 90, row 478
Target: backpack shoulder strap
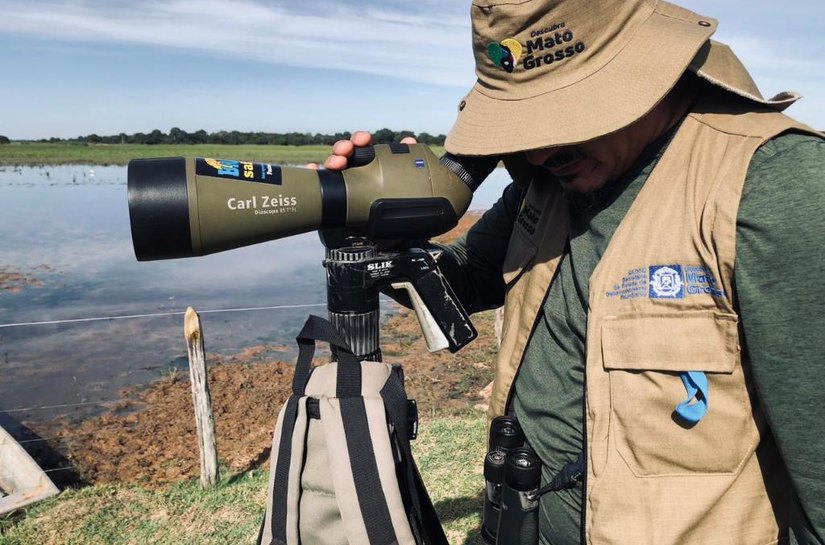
column 422, row 512
column 280, row 527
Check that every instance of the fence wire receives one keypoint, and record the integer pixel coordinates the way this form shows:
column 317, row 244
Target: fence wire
column 36, row 440
column 156, row 315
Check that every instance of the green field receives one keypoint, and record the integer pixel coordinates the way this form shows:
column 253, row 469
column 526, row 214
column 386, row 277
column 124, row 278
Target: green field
column 36, row 153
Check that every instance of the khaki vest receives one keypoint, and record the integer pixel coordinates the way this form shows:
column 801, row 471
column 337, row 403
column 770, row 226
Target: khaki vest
column 660, row 303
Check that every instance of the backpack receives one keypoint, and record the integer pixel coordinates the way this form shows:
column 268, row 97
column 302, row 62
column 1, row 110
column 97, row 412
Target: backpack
column 341, row 468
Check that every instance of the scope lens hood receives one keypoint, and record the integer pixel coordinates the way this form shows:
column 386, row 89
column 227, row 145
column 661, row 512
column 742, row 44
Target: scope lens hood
column 159, row 208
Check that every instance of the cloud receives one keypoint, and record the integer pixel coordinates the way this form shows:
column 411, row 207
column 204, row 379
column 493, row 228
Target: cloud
column 373, row 38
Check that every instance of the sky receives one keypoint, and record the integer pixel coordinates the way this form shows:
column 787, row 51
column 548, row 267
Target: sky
column 77, row 67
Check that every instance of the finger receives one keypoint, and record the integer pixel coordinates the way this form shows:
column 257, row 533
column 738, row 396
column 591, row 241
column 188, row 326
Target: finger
column 336, row 162
column 312, row 166
column 361, row 138
column 344, row 148
column 409, row 140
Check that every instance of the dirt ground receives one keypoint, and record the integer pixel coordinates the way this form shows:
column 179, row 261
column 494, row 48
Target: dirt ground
column 149, row 437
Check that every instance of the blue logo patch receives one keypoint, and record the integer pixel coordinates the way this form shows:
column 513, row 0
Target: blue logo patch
column 699, row 280
column 419, row 163
column 666, row 282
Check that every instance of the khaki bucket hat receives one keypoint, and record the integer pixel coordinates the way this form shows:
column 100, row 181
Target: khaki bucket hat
column 557, row 72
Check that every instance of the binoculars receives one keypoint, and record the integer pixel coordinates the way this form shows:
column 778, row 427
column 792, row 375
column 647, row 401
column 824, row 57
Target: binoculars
column 512, row 475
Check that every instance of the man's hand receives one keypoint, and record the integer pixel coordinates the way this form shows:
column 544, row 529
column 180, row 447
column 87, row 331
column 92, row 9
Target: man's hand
column 343, row 149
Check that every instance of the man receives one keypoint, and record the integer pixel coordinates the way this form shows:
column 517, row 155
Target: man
column 660, row 258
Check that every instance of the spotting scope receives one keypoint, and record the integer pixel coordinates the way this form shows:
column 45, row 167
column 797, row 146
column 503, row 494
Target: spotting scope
column 181, row 207
column 190, row 207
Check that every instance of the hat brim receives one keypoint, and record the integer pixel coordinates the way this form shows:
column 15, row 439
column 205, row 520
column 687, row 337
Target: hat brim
column 621, row 92
column 717, row 64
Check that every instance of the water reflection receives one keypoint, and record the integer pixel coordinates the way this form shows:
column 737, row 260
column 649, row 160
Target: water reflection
column 68, row 228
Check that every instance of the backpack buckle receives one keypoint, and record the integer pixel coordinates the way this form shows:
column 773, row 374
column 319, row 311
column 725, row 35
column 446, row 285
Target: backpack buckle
column 412, row 419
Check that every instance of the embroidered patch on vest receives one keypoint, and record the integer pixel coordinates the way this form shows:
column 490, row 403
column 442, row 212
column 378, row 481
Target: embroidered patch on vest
column 666, row 282
column 699, row 280
column 528, row 218
column 673, row 281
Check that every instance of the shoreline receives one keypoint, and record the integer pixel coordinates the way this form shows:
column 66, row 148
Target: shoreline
column 148, row 435
column 37, row 154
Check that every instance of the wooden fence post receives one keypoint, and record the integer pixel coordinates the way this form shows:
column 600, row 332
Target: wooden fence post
column 204, row 421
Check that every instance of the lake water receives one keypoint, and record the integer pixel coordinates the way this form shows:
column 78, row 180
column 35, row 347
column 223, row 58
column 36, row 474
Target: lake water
column 68, row 228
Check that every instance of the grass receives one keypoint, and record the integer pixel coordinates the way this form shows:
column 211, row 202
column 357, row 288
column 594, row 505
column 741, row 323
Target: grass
column 36, row 153
column 449, row 453
column 181, row 514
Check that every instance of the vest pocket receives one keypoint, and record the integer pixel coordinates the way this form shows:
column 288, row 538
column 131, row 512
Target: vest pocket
column 644, row 355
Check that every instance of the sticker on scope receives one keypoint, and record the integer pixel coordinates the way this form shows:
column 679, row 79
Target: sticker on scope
column 238, row 170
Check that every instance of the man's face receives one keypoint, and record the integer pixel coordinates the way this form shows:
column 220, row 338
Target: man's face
column 590, row 165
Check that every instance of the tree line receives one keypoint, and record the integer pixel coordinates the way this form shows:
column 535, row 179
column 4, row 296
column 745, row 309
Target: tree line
column 180, row 136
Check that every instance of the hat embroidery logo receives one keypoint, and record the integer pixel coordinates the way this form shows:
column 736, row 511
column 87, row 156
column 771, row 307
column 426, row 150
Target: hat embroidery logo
column 505, row 54
column 541, row 50
column 550, row 48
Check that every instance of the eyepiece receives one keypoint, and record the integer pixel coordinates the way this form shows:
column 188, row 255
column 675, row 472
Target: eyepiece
column 522, row 471
column 471, row 169
column 159, row 208
column 505, row 433
column 494, row 466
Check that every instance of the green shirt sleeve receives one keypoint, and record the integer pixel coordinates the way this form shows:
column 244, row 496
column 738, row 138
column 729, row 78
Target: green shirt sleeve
column 780, row 283
column 473, row 264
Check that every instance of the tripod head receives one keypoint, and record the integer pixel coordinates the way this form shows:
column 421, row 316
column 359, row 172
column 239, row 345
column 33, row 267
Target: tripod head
column 356, row 274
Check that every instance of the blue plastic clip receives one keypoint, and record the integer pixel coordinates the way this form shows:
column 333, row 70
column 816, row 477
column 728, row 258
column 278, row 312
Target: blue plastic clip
column 696, row 405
